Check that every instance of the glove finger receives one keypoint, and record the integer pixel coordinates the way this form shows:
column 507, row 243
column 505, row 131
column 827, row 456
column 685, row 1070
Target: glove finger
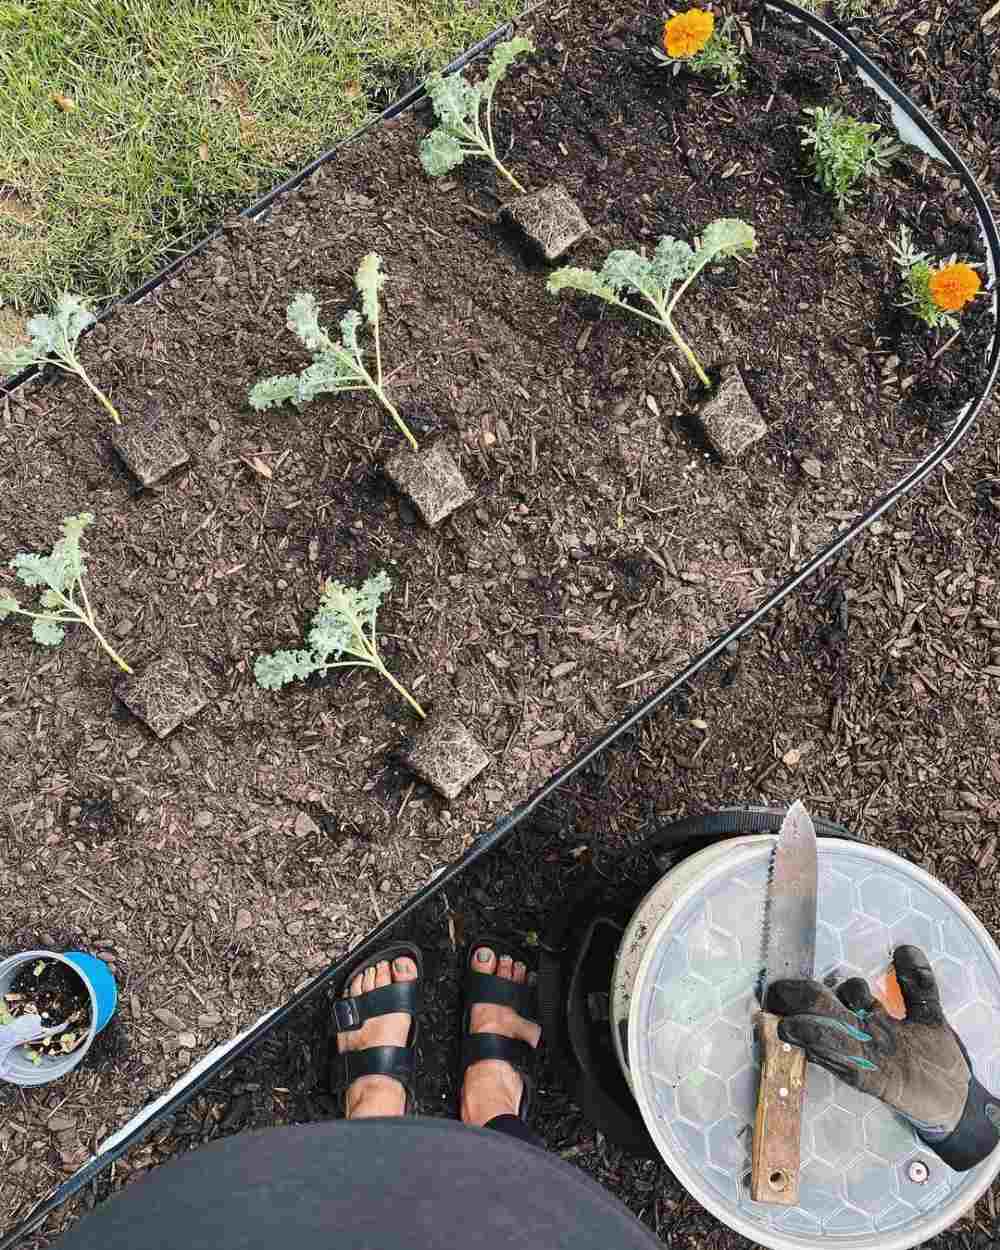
column 857, row 996
column 794, row 998
column 833, row 1044
column 918, row 985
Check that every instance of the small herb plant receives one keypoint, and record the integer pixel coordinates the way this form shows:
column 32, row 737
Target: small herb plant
column 336, row 367
column 54, row 337
column 344, row 625
column 693, row 39
column 64, row 601
column 465, row 113
column 933, row 294
column 844, row 150
column 673, row 261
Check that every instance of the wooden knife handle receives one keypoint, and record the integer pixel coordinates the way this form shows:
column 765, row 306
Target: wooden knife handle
column 777, row 1134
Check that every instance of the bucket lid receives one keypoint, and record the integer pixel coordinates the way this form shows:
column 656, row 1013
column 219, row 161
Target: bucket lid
column 695, row 1070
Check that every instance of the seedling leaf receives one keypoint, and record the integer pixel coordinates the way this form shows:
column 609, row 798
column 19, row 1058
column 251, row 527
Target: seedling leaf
column 335, row 366
column 65, row 599
column 56, row 335
column 440, row 152
column 278, row 669
column 625, row 272
column 369, row 280
column 47, row 632
column 344, row 624
column 465, row 114
column 303, row 320
column 271, row 392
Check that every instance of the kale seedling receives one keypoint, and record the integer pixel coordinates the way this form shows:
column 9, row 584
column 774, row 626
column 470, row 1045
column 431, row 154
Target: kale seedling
column 673, row 261
column 53, row 342
column 64, row 600
column 692, row 39
column 933, row 294
column 336, row 367
column 844, row 149
column 344, row 625
column 465, row 112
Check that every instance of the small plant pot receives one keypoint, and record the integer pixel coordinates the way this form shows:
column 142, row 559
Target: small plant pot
column 446, row 755
column 729, row 420
column 99, row 983
column 549, row 219
column 149, row 446
column 431, row 479
column 164, row 694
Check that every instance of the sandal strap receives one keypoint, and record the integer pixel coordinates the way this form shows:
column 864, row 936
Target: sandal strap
column 483, row 987
column 399, row 1062
column 350, row 1014
column 478, row 1046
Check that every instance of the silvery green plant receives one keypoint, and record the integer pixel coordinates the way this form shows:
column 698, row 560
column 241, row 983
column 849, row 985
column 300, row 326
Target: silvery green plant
column 465, row 113
column 54, row 337
column 64, row 600
column 344, row 625
column 673, row 262
column 843, row 151
column 337, row 366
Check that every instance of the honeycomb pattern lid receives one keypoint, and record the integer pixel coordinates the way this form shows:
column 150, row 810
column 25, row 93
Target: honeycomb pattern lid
column 695, row 1069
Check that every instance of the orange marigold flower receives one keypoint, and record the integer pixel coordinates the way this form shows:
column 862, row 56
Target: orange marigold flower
column 953, row 286
column 687, row 33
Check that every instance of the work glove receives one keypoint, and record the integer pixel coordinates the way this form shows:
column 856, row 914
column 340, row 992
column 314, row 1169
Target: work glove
column 917, row 1066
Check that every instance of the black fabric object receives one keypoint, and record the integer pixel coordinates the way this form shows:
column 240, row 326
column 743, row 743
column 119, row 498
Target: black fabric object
column 977, row 1132
column 514, row 1126
column 395, row 1184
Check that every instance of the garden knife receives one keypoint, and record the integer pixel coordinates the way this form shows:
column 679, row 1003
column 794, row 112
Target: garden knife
column 789, row 951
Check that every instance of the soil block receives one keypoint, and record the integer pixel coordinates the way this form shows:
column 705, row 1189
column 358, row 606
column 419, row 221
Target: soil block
column 550, row 218
column 447, row 756
column 164, row 694
column 431, row 478
column 149, row 445
column 729, row 419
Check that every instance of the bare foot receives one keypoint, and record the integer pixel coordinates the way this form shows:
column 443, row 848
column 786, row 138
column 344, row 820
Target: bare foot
column 377, row 1095
column 491, row 1086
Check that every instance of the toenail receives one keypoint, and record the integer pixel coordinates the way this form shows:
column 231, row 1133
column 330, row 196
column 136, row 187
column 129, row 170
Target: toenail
column 400, row 965
column 483, row 955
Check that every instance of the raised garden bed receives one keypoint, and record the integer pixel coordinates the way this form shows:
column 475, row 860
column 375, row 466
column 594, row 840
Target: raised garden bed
column 602, row 547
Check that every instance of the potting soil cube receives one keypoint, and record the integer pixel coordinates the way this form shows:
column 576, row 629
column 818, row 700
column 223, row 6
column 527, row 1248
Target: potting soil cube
column 730, row 419
column 550, row 218
column 446, row 755
column 431, row 478
column 149, row 445
column 165, row 693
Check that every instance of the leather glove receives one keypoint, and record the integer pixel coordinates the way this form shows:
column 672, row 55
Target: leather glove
column 918, row 1066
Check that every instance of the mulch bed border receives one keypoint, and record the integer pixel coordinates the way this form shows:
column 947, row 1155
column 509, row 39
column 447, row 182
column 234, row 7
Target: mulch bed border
column 212, row 1063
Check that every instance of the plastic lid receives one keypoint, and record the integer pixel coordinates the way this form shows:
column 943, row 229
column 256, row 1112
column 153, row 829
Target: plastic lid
column 695, row 1071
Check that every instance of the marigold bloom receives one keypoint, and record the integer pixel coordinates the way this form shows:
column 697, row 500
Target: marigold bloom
column 687, row 33
column 953, row 286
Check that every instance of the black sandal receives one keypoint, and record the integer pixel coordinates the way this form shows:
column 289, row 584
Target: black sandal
column 350, row 1014
column 487, row 987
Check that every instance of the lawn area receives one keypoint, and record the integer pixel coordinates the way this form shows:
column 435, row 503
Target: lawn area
column 129, row 126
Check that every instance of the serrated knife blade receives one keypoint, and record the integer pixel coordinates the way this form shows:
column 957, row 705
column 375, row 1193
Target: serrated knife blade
column 790, row 909
column 789, row 951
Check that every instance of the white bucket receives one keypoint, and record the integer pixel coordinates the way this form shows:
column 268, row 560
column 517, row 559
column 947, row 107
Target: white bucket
column 685, row 977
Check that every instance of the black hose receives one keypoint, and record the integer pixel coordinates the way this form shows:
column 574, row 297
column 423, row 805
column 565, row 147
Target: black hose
column 176, row 1098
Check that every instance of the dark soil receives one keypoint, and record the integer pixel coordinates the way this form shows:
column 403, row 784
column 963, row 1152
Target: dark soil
column 262, row 839
column 57, row 995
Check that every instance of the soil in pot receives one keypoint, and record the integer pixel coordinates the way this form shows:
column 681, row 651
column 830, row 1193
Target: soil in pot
column 56, row 994
column 549, row 219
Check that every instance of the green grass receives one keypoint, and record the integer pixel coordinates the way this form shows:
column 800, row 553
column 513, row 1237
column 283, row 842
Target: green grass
column 185, row 110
